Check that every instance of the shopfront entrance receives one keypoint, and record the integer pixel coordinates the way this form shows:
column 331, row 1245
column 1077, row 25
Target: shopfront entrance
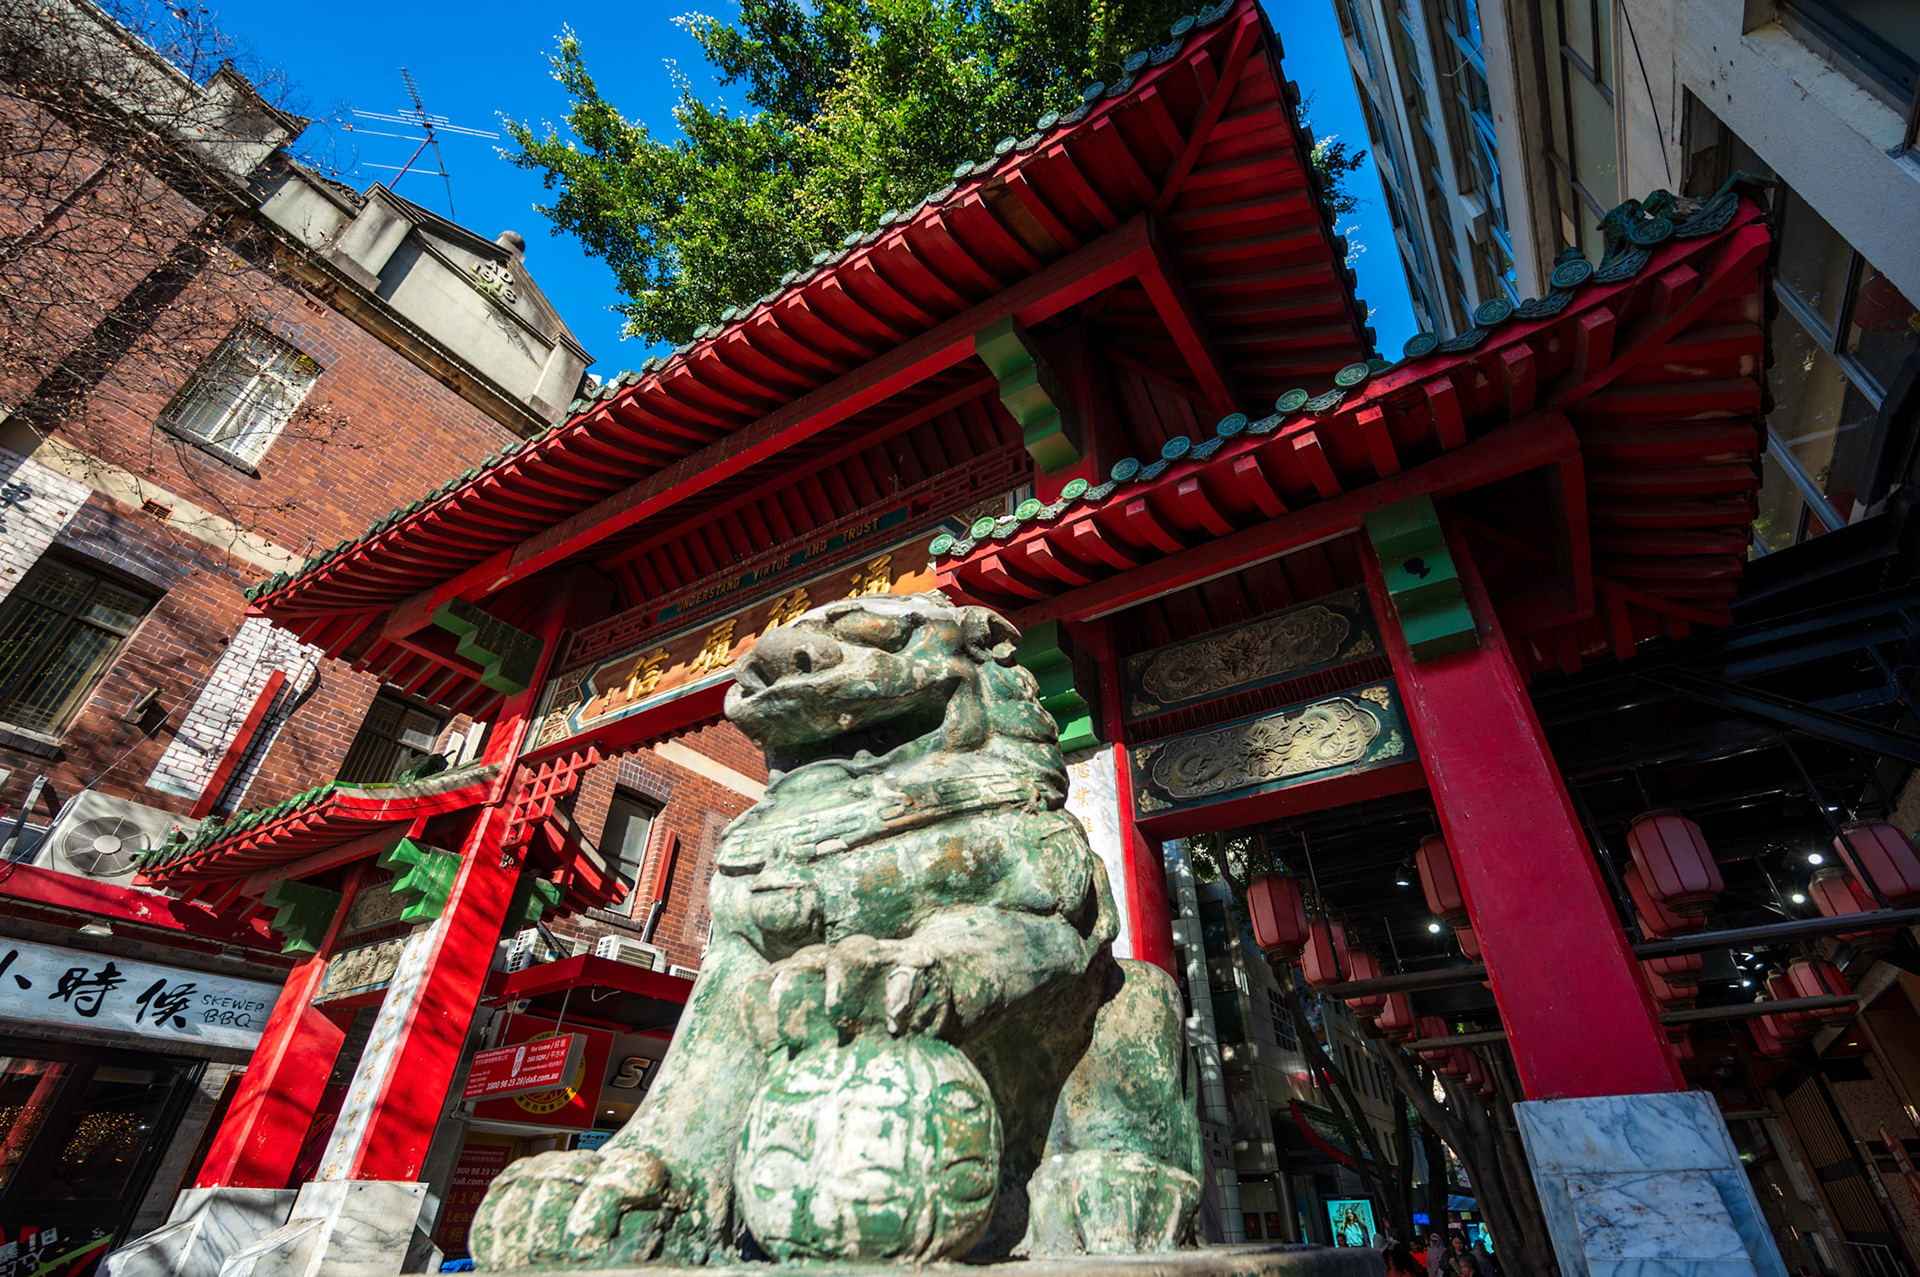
column 82, row 1132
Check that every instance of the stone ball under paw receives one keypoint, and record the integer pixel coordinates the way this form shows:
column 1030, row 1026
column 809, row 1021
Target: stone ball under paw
column 879, row 1149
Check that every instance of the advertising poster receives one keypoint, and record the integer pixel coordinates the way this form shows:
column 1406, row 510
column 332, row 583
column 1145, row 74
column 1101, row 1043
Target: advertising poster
column 569, row 1107
column 478, row 1165
column 1352, row 1219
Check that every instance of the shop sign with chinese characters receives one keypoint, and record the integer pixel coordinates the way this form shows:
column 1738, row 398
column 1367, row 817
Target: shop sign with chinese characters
column 47, row 984
column 661, row 669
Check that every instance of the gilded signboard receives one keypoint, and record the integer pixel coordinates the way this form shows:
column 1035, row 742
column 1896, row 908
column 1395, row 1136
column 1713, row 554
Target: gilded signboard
column 1314, row 636
column 1316, row 740
column 674, row 664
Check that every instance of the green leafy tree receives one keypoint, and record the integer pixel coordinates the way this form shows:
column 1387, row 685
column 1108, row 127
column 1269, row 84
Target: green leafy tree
column 851, row 108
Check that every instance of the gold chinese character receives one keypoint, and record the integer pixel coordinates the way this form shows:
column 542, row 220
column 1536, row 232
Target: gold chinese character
column 786, row 609
column 875, row 578
column 714, row 656
column 646, row 672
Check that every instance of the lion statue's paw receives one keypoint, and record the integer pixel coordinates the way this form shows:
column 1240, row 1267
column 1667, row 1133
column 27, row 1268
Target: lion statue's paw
column 567, row 1207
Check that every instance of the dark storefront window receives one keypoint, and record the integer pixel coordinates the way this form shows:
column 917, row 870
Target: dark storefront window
column 81, row 1132
column 59, row 630
column 394, row 736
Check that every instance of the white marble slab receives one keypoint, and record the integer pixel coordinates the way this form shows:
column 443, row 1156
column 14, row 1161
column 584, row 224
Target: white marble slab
column 338, row 1228
column 206, row 1226
column 1645, row 1186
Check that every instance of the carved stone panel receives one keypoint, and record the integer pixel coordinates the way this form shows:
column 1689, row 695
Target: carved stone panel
column 359, row 970
column 1317, row 740
column 1314, row 636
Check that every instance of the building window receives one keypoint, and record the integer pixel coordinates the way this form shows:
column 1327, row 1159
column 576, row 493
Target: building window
column 59, row 631
column 238, row 400
column 1581, row 145
column 1840, row 335
column 1283, row 1034
column 1879, row 39
column 623, row 841
column 394, row 736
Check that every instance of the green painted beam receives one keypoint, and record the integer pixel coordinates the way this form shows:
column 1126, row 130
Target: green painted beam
column 1043, row 653
column 1422, row 579
column 302, row 914
column 1031, row 394
column 507, row 656
column 422, row 876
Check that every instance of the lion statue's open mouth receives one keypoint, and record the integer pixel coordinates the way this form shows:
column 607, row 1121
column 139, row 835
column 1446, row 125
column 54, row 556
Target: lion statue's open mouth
column 859, row 680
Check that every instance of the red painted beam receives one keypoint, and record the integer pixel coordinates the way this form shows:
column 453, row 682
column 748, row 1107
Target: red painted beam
column 1518, row 446
column 238, row 748
column 1113, row 257
column 50, row 889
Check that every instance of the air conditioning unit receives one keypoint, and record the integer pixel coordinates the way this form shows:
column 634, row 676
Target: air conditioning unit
column 99, row 836
column 635, row 954
column 528, row 948
column 685, row 973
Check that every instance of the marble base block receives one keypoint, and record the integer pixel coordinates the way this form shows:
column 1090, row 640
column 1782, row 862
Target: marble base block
column 206, row 1226
column 337, row 1228
column 1645, row 1186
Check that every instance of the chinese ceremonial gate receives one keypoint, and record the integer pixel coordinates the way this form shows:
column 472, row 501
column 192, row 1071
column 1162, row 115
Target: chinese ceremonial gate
column 1111, row 381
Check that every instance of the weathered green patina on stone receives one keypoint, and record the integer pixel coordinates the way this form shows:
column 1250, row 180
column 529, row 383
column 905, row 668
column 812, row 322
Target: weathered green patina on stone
column 910, row 1039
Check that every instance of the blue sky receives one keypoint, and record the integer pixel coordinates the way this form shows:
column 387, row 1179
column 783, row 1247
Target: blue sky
column 479, row 60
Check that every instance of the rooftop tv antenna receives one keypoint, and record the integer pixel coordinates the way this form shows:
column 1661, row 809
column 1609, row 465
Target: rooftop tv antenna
column 430, row 126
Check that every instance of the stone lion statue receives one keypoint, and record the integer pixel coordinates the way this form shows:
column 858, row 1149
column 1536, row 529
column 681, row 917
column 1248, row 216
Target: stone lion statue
column 909, row 1039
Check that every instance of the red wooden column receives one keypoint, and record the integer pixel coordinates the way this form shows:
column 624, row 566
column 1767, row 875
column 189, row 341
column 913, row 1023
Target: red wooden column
column 415, row 1048
column 260, row 1138
column 1578, row 1019
column 1149, row 912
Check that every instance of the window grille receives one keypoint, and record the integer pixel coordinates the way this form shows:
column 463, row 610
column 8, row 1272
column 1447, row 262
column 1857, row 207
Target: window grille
column 59, row 631
column 623, row 841
column 238, row 401
column 393, row 737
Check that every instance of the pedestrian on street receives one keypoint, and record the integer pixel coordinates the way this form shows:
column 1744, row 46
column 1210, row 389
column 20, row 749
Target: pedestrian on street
column 1436, row 1257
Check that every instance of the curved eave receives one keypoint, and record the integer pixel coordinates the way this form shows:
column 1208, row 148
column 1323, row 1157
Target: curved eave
column 1651, row 386
column 1203, row 143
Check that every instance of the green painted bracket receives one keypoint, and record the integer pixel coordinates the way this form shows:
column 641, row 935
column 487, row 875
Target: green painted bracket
column 1044, row 655
column 302, row 913
column 1422, row 579
column 507, row 657
column 422, row 876
column 1031, row 394
column 531, row 901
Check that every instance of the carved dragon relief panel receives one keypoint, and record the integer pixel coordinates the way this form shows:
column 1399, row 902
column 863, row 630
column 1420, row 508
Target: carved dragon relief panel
column 1317, row 740
column 1327, row 632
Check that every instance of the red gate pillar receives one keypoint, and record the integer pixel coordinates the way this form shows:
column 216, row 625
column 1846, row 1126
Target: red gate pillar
column 260, row 1139
column 1149, row 914
column 397, row 1092
column 1578, row 1019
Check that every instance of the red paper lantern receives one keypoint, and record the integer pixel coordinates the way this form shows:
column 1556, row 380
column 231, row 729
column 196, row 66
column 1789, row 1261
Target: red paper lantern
column 1396, row 1018
column 1818, row 978
column 1656, row 920
column 1365, row 965
column 1439, row 883
column 1681, row 970
column 1487, row 1086
column 1279, row 915
column 1324, row 960
column 1786, row 1031
column 1837, row 893
column 1675, row 863
column 1682, row 1042
column 1766, row 1038
column 1460, row 1062
column 1799, row 1023
column 1432, row 1026
column 1469, row 942
column 1880, row 854
column 1675, row 997
column 1476, row 1073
